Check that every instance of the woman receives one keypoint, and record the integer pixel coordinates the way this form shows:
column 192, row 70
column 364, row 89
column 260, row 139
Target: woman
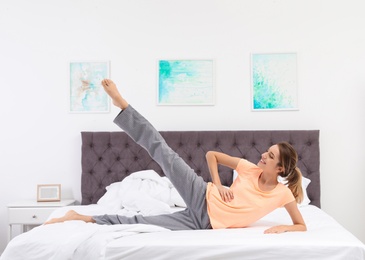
column 254, row 193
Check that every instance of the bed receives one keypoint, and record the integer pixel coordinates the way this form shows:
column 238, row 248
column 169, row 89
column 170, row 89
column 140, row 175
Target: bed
column 119, row 177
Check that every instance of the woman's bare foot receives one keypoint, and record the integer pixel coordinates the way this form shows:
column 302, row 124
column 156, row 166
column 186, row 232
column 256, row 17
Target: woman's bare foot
column 111, row 89
column 71, row 215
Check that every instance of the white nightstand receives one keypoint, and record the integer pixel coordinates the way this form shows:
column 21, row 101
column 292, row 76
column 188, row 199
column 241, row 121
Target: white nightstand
column 31, row 213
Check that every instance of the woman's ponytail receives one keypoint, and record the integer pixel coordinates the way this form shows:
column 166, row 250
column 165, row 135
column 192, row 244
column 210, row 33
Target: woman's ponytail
column 294, row 181
column 291, row 173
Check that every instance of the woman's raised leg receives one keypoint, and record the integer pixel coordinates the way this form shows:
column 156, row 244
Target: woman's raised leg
column 191, row 187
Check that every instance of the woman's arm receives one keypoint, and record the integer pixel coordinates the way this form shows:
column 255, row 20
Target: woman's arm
column 296, row 216
column 213, row 160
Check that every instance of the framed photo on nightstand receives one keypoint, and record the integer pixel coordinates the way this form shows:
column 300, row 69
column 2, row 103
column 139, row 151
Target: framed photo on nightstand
column 48, row 192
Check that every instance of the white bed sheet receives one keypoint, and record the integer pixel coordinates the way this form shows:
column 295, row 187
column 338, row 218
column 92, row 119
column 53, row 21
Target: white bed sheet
column 325, row 239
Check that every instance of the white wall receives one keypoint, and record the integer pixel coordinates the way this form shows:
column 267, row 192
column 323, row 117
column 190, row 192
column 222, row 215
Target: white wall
column 40, row 140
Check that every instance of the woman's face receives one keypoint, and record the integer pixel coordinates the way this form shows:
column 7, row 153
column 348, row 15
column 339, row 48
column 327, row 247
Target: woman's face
column 270, row 159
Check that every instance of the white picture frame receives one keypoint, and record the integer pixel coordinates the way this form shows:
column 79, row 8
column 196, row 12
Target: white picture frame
column 186, row 82
column 48, row 192
column 274, row 82
column 86, row 92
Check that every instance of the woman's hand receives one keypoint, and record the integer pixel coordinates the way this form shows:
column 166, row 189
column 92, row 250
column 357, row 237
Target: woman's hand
column 226, row 193
column 215, row 158
column 286, row 228
column 296, row 216
column 276, row 230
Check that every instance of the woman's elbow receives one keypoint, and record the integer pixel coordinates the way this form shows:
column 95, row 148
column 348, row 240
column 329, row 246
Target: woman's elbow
column 209, row 154
column 304, row 227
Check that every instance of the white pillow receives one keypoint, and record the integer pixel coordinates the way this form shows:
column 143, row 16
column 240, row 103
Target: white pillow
column 142, row 184
column 305, row 183
column 111, row 199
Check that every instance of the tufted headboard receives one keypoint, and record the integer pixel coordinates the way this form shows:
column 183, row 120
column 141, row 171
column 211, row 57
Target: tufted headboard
column 109, row 157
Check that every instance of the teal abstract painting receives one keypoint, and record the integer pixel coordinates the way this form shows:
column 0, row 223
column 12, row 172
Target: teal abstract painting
column 86, row 92
column 274, row 81
column 185, row 82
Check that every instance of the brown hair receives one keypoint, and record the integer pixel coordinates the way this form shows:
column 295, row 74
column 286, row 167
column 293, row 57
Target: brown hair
column 293, row 176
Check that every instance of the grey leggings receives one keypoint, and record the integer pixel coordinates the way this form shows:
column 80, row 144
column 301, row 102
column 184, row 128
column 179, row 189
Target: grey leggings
column 191, row 187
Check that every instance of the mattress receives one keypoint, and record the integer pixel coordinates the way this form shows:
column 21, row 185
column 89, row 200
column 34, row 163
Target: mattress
column 325, row 239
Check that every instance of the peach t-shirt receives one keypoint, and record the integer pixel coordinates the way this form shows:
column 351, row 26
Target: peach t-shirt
column 249, row 203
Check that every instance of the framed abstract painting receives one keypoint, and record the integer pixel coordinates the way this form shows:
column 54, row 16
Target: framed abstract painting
column 186, row 82
column 274, row 81
column 86, row 92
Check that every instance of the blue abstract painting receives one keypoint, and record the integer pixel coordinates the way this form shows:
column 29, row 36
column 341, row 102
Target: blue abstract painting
column 186, row 82
column 86, row 91
column 274, row 81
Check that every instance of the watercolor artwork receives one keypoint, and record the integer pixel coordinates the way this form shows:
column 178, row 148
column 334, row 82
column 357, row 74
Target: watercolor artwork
column 86, row 92
column 274, row 81
column 186, row 82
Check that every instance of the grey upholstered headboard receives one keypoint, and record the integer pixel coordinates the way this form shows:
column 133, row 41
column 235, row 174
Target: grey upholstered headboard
column 109, row 157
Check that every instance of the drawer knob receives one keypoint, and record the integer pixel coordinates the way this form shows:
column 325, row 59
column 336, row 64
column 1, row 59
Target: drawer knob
column 34, row 216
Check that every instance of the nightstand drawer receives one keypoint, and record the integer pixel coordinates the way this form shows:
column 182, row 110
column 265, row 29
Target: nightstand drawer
column 29, row 216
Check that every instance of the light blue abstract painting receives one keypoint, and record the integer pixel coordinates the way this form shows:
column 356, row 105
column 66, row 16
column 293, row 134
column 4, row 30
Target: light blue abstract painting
column 274, row 81
column 186, row 82
column 86, row 91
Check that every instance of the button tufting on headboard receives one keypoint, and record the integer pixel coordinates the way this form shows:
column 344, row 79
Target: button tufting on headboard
column 108, row 157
